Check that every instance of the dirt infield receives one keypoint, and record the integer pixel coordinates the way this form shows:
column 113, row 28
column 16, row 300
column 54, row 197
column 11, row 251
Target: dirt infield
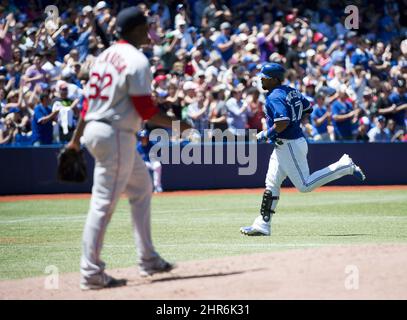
column 66, row 196
column 336, row 272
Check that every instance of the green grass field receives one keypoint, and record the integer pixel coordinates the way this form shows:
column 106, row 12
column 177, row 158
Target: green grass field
column 35, row 234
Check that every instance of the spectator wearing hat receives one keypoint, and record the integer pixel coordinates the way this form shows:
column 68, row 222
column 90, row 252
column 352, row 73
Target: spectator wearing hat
column 237, row 112
column 181, row 15
column 42, row 130
column 224, row 42
column 378, row 133
column 190, row 92
column 67, row 112
column 320, row 118
column 398, row 100
column 198, row 113
column 343, row 115
column 363, row 129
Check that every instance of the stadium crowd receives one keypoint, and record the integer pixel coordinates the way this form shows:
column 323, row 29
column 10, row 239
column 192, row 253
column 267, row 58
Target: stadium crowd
column 205, row 56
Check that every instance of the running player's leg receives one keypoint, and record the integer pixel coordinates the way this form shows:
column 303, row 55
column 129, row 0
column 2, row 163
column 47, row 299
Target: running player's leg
column 156, row 167
column 296, row 165
column 113, row 155
column 274, row 179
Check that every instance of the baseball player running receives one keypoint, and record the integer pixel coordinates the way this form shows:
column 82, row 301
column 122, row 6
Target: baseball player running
column 118, row 98
column 285, row 106
column 144, row 146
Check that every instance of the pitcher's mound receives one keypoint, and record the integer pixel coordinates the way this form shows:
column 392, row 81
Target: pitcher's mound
column 335, row 272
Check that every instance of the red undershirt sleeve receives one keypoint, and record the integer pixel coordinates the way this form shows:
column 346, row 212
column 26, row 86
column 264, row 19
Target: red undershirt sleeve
column 145, row 106
column 85, row 106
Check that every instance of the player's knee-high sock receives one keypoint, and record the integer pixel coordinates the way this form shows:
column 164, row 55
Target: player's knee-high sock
column 268, row 205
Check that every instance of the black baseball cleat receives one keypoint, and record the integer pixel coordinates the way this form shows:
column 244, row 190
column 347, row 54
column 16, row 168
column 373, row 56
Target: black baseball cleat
column 109, row 282
column 158, row 265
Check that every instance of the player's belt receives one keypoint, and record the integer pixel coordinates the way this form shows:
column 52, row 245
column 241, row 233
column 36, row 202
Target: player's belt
column 279, row 142
column 102, row 120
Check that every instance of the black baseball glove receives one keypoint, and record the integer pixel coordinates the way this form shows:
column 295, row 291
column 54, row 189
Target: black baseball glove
column 71, row 166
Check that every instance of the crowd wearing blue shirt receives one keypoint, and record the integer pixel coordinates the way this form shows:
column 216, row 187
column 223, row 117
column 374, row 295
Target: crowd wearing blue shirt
column 354, row 79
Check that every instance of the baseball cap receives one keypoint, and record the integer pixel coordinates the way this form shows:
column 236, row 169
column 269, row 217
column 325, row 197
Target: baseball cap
column 400, row 83
column 86, row 9
column 101, row 5
column 381, row 118
column 189, row 85
column 289, row 18
column 160, row 78
column 349, row 47
column 272, row 70
column 180, row 7
column 364, row 120
column 129, row 18
column 318, row 36
column 250, row 46
column 367, row 91
column 225, row 25
column 252, row 66
column 192, row 29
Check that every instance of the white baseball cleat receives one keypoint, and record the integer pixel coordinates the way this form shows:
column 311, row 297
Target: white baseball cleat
column 356, row 170
column 258, row 228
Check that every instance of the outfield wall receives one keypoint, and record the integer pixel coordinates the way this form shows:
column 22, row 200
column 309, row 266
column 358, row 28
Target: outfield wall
column 33, row 170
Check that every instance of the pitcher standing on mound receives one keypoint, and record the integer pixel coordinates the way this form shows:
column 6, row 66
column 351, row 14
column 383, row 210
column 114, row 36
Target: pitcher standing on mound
column 285, row 106
column 118, row 98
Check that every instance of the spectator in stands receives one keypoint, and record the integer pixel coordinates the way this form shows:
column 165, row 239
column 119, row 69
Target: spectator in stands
column 364, row 125
column 198, row 113
column 399, row 103
column 378, row 133
column 237, row 112
column 255, row 107
column 42, row 130
column 320, row 118
column 217, row 109
column 67, row 112
column 225, row 42
column 9, row 130
column 343, row 116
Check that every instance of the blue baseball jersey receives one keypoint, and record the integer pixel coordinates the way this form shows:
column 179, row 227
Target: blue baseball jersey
column 398, row 100
column 343, row 129
column 144, row 151
column 316, row 114
column 286, row 103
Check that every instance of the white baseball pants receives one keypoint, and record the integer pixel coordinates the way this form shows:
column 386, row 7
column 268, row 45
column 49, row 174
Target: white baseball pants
column 118, row 168
column 290, row 159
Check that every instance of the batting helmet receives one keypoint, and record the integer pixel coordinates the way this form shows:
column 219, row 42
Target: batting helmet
column 142, row 134
column 272, row 70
